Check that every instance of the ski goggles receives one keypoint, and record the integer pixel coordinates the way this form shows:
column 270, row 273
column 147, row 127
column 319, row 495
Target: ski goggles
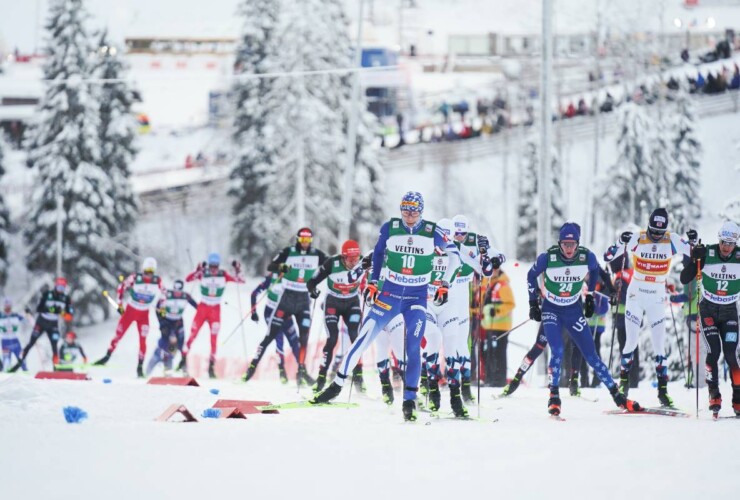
column 305, row 239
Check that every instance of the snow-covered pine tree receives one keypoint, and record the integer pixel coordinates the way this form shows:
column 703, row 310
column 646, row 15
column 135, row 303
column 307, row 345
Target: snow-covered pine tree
column 285, row 121
column 256, row 230
column 527, row 206
column 4, row 224
column 117, row 144
column 631, row 180
column 686, row 150
column 63, row 149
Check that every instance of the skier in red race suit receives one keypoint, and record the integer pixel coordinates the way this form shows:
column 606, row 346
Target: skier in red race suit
column 142, row 289
column 213, row 281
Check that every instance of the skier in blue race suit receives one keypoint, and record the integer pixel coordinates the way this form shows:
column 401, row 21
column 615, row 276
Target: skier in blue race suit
column 403, row 255
column 565, row 267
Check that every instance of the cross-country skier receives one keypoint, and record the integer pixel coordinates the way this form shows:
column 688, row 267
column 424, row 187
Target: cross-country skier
column 213, row 282
column 451, row 320
column 10, row 324
column 652, row 252
column 342, row 302
column 564, row 268
column 69, row 351
column 140, row 291
column 720, row 289
column 170, row 310
column 297, row 265
column 475, row 251
column 405, row 250
column 53, row 305
column 272, row 285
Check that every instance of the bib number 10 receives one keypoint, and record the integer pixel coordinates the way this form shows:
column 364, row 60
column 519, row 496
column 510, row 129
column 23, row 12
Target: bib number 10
column 408, row 261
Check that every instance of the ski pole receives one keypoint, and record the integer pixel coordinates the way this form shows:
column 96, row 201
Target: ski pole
column 698, row 321
column 477, row 332
column 112, row 302
column 517, row 326
column 615, row 309
column 678, row 340
column 244, row 318
column 234, row 264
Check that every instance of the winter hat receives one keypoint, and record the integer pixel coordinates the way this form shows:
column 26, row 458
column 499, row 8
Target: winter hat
column 570, row 231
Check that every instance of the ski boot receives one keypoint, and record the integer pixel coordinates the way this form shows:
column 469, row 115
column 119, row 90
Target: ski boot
column 715, row 400
column 140, row 369
column 467, row 395
column 456, row 402
column 434, row 395
column 102, row 361
column 387, row 389
column 553, row 404
column 302, row 376
column 624, row 382
column 15, row 367
column 622, row 402
column 424, row 382
column 409, row 410
column 665, row 400
column 320, row 381
column 736, row 408
column 329, row 393
column 283, row 374
column 183, row 366
column 573, row 385
column 250, row 372
column 211, row 369
column 358, row 381
column 511, row 387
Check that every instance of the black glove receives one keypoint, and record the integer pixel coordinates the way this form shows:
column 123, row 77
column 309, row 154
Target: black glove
column 588, row 306
column 496, row 262
column 492, row 312
column 371, row 292
column 625, row 237
column 28, row 311
column 442, row 294
column 535, row 312
column 255, row 317
column 236, row 265
column 313, row 293
column 613, row 299
column 483, row 245
column 692, row 235
column 699, row 251
column 367, row 262
column 283, row 268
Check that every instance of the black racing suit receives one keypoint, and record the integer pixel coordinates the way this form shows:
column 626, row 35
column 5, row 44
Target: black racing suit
column 719, row 324
column 50, row 307
column 336, row 307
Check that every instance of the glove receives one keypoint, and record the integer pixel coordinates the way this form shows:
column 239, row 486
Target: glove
column 670, row 287
column 283, row 268
column 496, row 262
column 491, row 312
column 589, row 306
column 67, row 317
column 483, row 245
column 442, row 294
column 236, row 265
column 692, row 235
column 613, row 299
column 699, row 251
column 120, row 308
column 201, row 266
column 625, row 237
column 367, row 262
column 28, row 311
column 371, row 292
column 313, row 293
column 162, row 311
column 255, row 317
column 535, row 313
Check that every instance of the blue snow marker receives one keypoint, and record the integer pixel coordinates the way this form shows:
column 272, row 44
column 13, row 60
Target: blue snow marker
column 107, row 381
column 74, row 415
column 211, row 413
column 214, row 391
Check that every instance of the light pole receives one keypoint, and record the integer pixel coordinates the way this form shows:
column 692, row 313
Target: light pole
column 543, row 175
